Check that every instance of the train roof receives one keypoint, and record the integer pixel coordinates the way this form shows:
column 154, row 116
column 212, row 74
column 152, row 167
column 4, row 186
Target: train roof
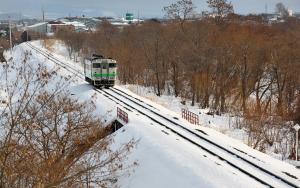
column 96, row 56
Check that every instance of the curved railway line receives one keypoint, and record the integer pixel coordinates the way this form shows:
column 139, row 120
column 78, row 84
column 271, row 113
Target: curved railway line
column 143, row 108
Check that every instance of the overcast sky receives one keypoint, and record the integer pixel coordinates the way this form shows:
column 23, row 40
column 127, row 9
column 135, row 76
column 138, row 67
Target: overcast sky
column 145, row 8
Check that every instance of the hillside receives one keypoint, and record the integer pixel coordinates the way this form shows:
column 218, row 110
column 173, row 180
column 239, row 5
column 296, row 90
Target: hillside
column 164, row 158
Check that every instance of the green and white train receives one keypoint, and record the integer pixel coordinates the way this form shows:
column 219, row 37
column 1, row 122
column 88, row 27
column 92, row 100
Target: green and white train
column 100, row 71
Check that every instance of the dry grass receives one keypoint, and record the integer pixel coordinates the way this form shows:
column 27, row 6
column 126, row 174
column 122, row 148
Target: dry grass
column 49, row 44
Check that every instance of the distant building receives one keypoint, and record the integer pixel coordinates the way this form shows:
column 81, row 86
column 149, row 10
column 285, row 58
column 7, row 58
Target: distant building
column 4, row 25
column 290, row 12
column 129, row 17
column 39, row 28
column 56, row 26
column 78, row 26
column 297, row 14
column 60, row 27
column 3, row 33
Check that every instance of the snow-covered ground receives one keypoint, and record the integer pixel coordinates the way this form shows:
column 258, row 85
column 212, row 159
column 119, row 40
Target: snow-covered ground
column 165, row 159
column 224, row 123
column 227, row 124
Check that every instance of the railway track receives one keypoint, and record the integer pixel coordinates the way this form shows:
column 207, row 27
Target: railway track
column 206, row 144
column 70, row 69
column 56, row 61
column 140, row 103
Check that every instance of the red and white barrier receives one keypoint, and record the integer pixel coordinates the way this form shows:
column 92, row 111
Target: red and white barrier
column 122, row 115
column 190, row 116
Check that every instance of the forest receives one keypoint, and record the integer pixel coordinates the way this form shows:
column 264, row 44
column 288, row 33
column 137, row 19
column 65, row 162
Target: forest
column 228, row 63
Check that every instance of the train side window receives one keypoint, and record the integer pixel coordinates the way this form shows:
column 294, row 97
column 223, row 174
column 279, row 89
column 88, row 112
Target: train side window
column 112, row 65
column 96, row 65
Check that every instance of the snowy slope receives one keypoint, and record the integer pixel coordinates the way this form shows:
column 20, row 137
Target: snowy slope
column 165, row 159
column 233, row 147
column 229, row 124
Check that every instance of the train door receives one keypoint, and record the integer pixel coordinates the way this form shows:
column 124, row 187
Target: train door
column 104, row 70
column 112, row 70
column 96, row 73
column 88, row 70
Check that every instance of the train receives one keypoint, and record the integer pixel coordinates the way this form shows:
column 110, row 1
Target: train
column 100, row 71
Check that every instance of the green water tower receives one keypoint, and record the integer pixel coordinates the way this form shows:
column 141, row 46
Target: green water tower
column 129, row 17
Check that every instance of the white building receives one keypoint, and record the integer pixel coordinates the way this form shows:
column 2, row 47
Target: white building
column 39, row 27
column 290, row 11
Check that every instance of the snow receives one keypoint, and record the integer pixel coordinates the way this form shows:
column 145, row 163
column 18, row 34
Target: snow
column 225, row 123
column 119, row 23
column 164, row 158
column 168, row 161
column 261, row 159
column 76, row 24
column 36, row 25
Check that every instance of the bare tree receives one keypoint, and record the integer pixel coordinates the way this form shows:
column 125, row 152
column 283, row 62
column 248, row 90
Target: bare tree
column 230, row 63
column 281, row 10
column 153, row 49
column 49, row 138
column 180, row 11
column 220, row 9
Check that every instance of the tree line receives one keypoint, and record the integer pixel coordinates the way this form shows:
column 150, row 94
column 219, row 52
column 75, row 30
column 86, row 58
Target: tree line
column 223, row 61
column 249, row 65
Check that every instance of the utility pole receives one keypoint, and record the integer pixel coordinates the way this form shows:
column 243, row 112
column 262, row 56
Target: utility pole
column 297, row 127
column 43, row 12
column 10, row 40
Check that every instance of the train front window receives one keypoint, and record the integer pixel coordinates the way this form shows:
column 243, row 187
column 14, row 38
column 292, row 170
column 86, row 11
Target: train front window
column 112, row 65
column 96, row 65
column 104, row 65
